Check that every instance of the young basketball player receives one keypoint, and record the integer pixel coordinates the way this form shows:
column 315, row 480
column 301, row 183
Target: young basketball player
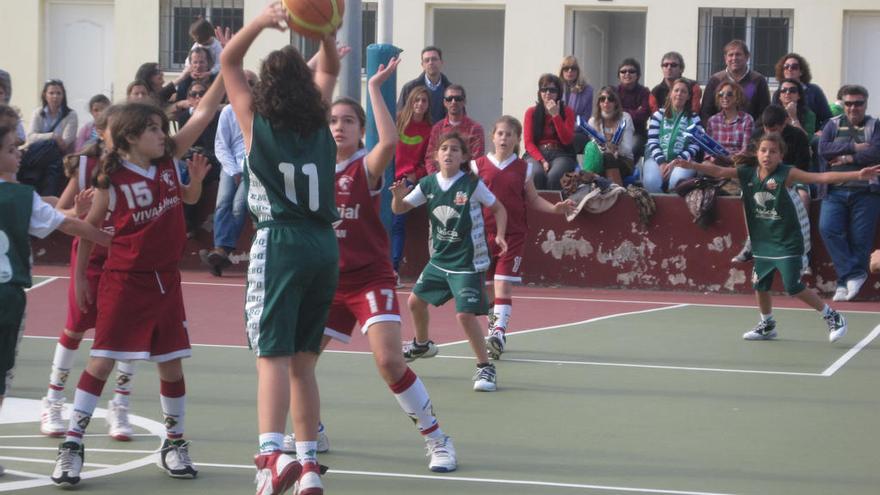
column 778, row 227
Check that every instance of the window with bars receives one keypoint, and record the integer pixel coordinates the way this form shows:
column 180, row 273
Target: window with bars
column 308, row 47
column 175, row 17
column 767, row 32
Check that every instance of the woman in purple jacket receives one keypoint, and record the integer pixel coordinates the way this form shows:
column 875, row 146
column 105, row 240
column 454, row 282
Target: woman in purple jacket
column 577, row 95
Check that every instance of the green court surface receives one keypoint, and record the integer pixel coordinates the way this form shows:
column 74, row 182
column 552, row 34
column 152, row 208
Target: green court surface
column 666, row 401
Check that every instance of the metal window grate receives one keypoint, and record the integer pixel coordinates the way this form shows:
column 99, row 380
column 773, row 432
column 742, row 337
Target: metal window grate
column 767, row 32
column 175, row 17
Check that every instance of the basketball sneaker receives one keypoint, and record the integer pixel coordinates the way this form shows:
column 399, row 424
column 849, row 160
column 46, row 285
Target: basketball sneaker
column 51, row 422
column 117, row 422
column 276, row 473
column 840, row 294
column 309, row 482
column 442, row 454
column 495, row 343
column 745, row 254
column 854, row 285
column 764, row 330
column 323, row 442
column 836, row 325
column 413, row 351
column 484, row 378
column 68, row 464
column 174, row 459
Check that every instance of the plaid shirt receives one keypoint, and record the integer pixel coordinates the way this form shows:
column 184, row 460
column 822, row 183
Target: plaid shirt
column 734, row 136
column 469, row 129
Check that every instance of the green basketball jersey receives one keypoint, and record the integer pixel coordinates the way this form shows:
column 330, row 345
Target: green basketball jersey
column 290, row 178
column 776, row 217
column 458, row 236
column 16, row 203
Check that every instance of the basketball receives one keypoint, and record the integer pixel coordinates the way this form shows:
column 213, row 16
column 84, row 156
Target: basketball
column 314, row 18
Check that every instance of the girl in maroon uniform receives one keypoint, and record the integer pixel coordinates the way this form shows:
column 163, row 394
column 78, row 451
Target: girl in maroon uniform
column 510, row 180
column 139, row 299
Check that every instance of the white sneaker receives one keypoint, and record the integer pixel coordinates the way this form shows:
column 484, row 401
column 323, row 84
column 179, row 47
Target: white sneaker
column 442, row 454
column 495, row 343
column 289, row 446
column 117, row 422
column 276, row 473
column 68, row 464
column 484, row 379
column 51, row 422
column 840, row 294
column 174, row 459
column 854, row 285
column 836, row 326
column 764, row 330
column 309, row 482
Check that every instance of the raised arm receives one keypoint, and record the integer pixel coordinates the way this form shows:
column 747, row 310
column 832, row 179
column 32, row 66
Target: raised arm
column 327, row 68
column 536, row 202
column 201, row 117
column 380, row 156
column 95, row 217
column 706, row 168
column 399, row 190
column 866, row 173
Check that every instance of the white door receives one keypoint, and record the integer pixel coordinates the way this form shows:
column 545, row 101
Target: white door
column 861, row 37
column 79, row 48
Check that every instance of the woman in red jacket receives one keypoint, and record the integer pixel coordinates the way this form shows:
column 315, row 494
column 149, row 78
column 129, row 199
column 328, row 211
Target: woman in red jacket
column 549, row 130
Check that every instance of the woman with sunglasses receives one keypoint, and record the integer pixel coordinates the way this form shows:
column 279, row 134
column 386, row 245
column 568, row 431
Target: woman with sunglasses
column 791, row 96
column 617, row 159
column 732, row 127
column 794, row 66
column 548, row 134
column 634, row 99
column 667, row 141
column 577, row 94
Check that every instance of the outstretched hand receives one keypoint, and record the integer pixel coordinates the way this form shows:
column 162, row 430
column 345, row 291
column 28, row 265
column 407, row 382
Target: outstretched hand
column 384, row 71
column 198, row 167
column 399, row 189
column 223, row 35
column 82, row 202
column 566, row 207
column 273, row 16
column 869, row 173
column 502, row 244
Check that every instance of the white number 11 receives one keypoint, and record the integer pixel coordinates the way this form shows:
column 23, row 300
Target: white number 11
column 310, row 170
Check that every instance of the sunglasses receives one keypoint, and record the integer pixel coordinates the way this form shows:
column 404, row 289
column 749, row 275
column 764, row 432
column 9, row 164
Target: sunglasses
column 454, row 98
column 725, row 94
column 670, row 65
column 568, row 68
column 603, row 99
column 788, row 91
column 196, row 94
column 792, row 66
column 549, row 89
column 856, row 103
column 628, row 71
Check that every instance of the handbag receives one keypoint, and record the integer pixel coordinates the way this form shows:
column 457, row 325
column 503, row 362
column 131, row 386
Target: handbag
column 41, row 164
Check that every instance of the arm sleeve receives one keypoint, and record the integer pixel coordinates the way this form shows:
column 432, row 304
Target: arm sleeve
column 871, row 155
column 707, row 109
column 223, row 144
column 695, row 101
column 653, row 144
column 820, row 106
column 625, row 147
column 35, row 133
column 83, row 135
column 652, row 102
column 531, row 145
column 748, row 129
column 828, row 148
column 565, row 126
column 691, row 148
column 68, row 128
column 643, row 112
column 802, row 156
column 483, row 195
column 431, row 151
column 416, row 197
column 761, row 100
column 477, row 141
column 44, row 218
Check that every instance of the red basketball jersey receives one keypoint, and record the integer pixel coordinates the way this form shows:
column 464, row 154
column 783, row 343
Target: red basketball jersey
column 85, row 172
column 147, row 218
column 507, row 181
column 363, row 242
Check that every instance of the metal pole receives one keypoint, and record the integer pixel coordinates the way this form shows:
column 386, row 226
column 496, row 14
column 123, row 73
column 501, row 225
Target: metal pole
column 351, row 35
column 385, row 22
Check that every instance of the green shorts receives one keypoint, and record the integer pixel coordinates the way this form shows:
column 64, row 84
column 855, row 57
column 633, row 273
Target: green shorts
column 790, row 269
column 437, row 286
column 11, row 327
column 291, row 281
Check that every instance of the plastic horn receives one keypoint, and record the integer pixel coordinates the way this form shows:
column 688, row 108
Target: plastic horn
column 618, row 134
column 706, row 142
column 588, row 129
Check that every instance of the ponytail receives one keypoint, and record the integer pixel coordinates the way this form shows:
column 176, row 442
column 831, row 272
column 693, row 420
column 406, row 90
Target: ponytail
column 110, row 164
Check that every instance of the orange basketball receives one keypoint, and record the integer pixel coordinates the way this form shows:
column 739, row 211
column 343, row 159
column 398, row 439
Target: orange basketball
column 314, row 18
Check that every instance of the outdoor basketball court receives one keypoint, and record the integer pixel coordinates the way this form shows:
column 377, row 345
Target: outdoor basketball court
column 600, row 392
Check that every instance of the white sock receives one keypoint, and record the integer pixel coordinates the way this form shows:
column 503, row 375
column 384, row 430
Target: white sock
column 62, row 361
column 767, row 317
column 270, row 442
column 306, row 451
column 502, row 310
column 88, row 391
column 413, row 398
column 124, row 376
column 172, row 396
column 826, row 310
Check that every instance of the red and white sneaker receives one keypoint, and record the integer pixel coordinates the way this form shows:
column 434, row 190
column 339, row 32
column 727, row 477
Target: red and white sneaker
column 309, row 482
column 276, row 473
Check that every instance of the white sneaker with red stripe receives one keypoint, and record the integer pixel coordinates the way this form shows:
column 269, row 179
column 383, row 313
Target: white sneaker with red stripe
column 276, row 473
column 309, row 482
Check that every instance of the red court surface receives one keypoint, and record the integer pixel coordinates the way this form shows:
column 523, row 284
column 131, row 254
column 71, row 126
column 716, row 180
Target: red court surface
column 215, row 307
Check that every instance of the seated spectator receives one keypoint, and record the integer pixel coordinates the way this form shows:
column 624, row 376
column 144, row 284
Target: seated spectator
column 201, row 62
column 837, row 106
column 138, row 91
column 202, row 33
column 635, row 100
column 756, row 93
column 850, row 210
column 731, row 127
column 793, row 66
column 577, row 95
column 455, row 101
column 151, row 74
column 414, row 128
column 52, row 135
column 5, row 95
column 672, row 65
column 617, row 159
column 667, row 141
column 231, row 208
column 791, row 96
column 797, row 144
column 431, row 78
column 87, row 134
column 548, row 132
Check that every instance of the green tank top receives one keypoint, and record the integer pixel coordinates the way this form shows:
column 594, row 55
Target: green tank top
column 16, row 205
column 457, row 233
column 776, row 217
column 290, row 178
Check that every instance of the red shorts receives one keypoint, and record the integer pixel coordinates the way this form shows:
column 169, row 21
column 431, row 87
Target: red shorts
column 371, row 303
column 77, row 321
column 141, row 316
column 506, row 267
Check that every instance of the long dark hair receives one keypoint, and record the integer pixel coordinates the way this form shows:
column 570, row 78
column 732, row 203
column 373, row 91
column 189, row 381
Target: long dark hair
column 145, row 73
column 802, row 101
column 95, row 149
column 688, row 111
column 358, row 112
column 540, row 113
column 64, row 108
column 287, row 96
column 465, row 149
column 609, row 92
column 806, row 74
column 404, row 117
column 131, row 120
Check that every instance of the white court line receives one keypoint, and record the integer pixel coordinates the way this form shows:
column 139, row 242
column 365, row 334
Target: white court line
column 91, row 435
column 53, row 449
column 44, row 282
column 45, row 461
column 852, row 352
column 25, row 474
column 487, row 481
